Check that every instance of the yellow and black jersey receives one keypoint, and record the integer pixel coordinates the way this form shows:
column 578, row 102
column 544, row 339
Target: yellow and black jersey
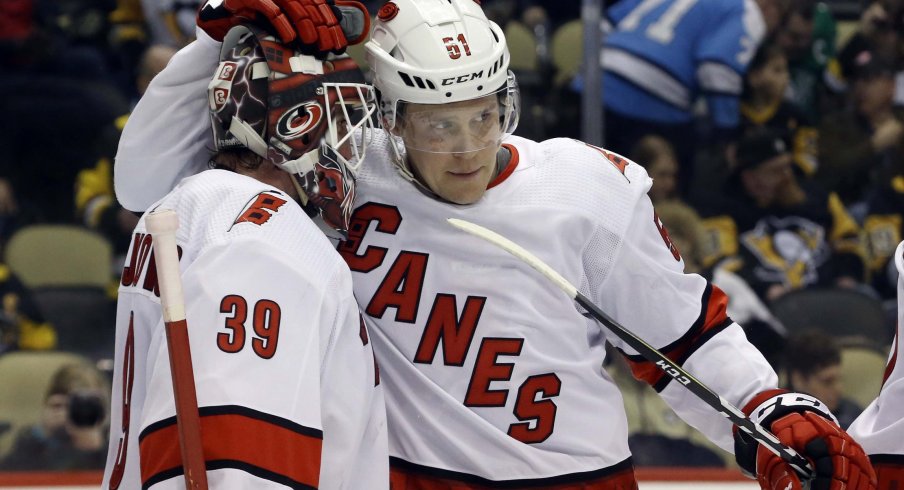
column 884, row 228
column 799, row 133
column 804, row 245
column 22, row 326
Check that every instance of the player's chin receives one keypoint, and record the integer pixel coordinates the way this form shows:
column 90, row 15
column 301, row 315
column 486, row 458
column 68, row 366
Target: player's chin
column 463, row 188
column 463, row 193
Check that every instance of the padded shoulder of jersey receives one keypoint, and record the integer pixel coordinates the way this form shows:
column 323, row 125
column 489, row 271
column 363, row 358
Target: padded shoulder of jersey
column 217, row 207
column 569, row 177
column 583, row 174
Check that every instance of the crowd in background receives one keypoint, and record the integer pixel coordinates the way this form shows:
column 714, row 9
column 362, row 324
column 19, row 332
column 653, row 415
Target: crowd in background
column 794, row 181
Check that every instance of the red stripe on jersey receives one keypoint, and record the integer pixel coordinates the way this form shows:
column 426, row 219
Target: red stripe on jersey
column 236, row 437
column 513, row 162
column 409, row 476
column 712, row 320
column 891, row 362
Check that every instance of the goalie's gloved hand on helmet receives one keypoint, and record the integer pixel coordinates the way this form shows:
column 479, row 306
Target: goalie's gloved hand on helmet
column 804, row 424
column 315, row 27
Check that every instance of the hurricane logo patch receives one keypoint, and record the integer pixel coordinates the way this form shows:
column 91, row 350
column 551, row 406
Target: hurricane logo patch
column 299, row 120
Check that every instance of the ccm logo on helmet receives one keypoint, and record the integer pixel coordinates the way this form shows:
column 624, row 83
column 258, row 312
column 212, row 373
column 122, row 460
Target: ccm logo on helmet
column 299, row 120
column 462, row 78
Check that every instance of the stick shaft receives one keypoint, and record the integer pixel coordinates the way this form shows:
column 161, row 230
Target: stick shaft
column 163, row 225
column 703, row 392
column 721, row 405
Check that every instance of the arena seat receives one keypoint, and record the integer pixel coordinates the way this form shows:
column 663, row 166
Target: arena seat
column 59, row 255
column 68, row 270
column 846, row 314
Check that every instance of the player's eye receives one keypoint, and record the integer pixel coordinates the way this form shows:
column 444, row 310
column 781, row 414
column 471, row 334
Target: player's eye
column 440, row 125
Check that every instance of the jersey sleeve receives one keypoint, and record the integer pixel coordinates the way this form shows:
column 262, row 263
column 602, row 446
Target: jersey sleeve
column 167, row 136
column 259, row 329
column 722, row 55
column 685, row 317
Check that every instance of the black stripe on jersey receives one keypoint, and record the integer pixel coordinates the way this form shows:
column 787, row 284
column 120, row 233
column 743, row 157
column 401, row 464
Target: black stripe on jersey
column 697, row 335
column 162, row 476
column 221, row 464
column 887, row 459
column 585, row 476
column 237, row 410
column 662, row 383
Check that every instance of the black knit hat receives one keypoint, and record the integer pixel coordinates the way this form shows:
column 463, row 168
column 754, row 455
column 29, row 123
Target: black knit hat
column 759, row 146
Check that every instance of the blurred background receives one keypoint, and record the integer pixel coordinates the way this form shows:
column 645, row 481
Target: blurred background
column 778, row 169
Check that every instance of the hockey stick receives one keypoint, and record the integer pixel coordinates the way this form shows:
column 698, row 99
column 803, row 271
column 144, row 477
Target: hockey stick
column 721, row 405
column 162, row 226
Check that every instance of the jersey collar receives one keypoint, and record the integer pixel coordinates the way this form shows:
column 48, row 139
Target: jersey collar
column 509, row 168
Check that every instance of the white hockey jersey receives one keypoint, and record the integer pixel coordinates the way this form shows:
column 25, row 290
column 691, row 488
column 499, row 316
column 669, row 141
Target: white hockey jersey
column 880, row 428
column 492, row 376
column 287, row 384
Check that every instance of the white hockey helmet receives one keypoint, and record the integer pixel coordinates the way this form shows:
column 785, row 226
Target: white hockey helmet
column 440, row 52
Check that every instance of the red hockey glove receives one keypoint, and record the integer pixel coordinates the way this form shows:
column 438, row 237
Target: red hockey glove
column 314, row 26
column 806, row 425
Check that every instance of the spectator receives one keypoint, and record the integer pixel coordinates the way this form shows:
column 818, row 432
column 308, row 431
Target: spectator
column 658, row 60
column 884, row 227
column 72, row 434
column 807, row 36
column 153, row 61
column 788, row 235
column 857, row 145
column 879, row 32
column 763, row 105
column 22, row 326
column 658, row 157
column 95, row 203
column 813, row 366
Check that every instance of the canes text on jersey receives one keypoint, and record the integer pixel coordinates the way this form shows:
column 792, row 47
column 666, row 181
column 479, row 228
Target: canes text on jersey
column 401, row 290
column 141, row 264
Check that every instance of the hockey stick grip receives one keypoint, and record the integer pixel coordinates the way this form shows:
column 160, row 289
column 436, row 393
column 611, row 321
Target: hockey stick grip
column 721, row 405
column 162, row 226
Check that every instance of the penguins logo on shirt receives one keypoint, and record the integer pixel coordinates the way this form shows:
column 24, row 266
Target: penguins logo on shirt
column 789, row 250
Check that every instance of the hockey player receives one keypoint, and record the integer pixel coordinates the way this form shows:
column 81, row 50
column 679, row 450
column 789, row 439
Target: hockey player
column 287, row 385
column 880, row 428
column 492, row 376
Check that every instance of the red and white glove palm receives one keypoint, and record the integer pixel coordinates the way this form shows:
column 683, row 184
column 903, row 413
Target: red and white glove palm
column 314, row 26
column 804, row 424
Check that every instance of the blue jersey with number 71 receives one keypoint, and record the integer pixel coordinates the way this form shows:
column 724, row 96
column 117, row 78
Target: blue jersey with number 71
column 663, row 54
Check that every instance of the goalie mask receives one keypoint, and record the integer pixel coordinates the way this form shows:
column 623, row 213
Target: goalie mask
column 311, row 118
column 433, row 62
